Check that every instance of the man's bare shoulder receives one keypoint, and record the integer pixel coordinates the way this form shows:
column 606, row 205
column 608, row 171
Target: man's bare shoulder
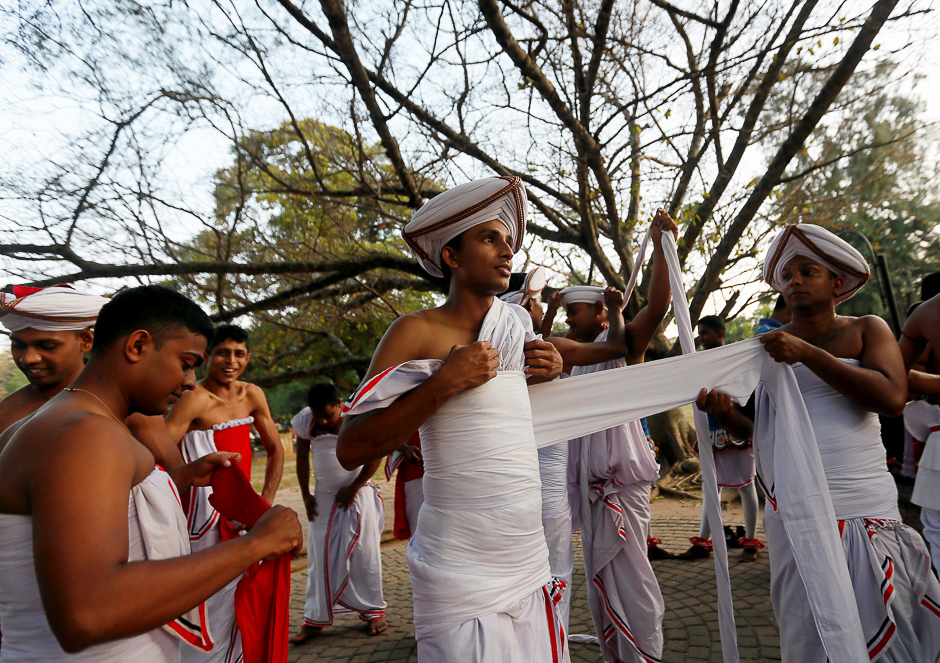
column 21, row 403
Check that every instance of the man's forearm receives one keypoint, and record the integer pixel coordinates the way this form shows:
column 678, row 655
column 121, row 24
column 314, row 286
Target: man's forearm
column 736, row 423
column 273, row 471
column 868, row 388
column 548, row 320
column 368, row 437
column 303, row 472
column 923, row 383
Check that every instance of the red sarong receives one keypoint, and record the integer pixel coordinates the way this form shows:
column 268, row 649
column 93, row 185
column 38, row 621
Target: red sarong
column 263, row 594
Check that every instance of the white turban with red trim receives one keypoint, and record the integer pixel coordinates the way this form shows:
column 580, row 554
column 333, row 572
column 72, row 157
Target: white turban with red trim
column 457, row 210
column 59, row 308
column 534, row 284
column 822, row 246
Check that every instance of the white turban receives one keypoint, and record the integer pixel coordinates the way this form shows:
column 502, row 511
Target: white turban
column 457, row 210
column 533, row 285
column 819, row 245
column 587, row 294
column 59, row 308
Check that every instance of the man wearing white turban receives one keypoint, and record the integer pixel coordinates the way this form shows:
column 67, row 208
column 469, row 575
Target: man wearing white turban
column 50, row 332
column 848, row 370
column 479, row 565
column 609, row 477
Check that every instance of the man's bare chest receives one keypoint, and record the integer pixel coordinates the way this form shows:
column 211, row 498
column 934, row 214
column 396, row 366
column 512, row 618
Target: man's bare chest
column 221, row 411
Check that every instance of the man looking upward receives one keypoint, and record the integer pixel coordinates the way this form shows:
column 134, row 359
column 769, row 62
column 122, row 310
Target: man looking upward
column 479, row 564
column 50, row 332
column 217, row 416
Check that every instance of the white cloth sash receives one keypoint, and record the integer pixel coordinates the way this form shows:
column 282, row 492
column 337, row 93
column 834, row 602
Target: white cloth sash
column 922, row 421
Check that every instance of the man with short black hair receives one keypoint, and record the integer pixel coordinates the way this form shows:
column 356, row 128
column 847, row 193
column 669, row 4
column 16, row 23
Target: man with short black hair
column 778, row 317
column 81, row 567
column 217, row 416
column 345, row 513
column 50, row 333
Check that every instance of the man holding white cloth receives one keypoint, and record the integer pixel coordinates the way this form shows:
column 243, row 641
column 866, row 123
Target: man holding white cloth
column 480, row 575
column 848, row 370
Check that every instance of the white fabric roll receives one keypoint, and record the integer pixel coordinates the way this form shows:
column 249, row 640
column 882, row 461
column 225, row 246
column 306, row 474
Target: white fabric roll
column 457, row 210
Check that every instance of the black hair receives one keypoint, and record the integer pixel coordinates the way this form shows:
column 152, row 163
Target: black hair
column 229, row 333
column 455, row 245
column 323, row 394
column 780, row 304
column 930, row 286
column 713, row 322
column 157, row 310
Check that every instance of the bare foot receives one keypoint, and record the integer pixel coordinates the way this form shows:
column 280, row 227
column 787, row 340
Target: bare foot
column 748, row 555
column 306, row 633
column 377, row 625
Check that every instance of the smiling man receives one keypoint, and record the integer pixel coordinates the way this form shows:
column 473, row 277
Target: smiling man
column 217, row 416
column 93, row 550
column 50, row 332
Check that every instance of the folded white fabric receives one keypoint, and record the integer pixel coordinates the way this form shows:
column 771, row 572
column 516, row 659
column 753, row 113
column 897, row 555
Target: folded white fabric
column 457, row 210
column 826, row 248
column 59, row 308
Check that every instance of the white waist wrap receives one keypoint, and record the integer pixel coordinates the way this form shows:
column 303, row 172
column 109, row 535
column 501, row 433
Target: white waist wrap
column 483, row 542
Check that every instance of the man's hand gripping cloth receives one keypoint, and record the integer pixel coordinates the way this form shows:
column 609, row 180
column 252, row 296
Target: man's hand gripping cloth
column 344, row 556
column 625, row 394
column 479, row 564
column 156, row 530
column 262, row 597
column 205, row 531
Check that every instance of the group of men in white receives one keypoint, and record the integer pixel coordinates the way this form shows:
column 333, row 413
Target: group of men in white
column 513, row 461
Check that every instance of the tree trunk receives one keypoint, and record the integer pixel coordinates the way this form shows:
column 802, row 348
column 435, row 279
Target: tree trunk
column 674, row 436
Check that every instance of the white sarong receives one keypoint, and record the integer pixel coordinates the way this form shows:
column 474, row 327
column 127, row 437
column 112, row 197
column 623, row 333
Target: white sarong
column 27, row 637
column 610, row 473
column 556, row 520
column 344, row 557
column 894, row 589
column 479, row 564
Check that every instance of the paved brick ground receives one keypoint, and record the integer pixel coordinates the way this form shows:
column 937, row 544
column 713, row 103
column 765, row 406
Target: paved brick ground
column 690, row 625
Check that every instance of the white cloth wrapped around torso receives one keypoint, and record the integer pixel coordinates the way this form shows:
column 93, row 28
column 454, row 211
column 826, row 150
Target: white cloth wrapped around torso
column 922, row 421
column 27, row 636
column 479, row 547
column 853, row 457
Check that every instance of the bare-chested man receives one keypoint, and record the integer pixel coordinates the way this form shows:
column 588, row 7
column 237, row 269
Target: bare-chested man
column 920, row 341
column 50, row 332
column 479, row 564
column 849, row 370
column 81, row 502
column 217, row 416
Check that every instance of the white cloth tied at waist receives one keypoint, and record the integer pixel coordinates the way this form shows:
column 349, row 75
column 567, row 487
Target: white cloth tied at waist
column 483, row 543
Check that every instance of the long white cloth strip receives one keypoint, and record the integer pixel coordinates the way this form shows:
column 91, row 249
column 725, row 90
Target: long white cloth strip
column 799, row 483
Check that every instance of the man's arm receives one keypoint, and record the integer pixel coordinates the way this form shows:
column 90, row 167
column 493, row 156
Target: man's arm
column 374, row 435
column 550, row 310
column 303, row 477
column 346, row 495
column 923, row 383
column 181, row 416
column 90, row 592
column 152, row 433
column 879, row 384
column 640, row 331
column 914, row 343
column 264, row 424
